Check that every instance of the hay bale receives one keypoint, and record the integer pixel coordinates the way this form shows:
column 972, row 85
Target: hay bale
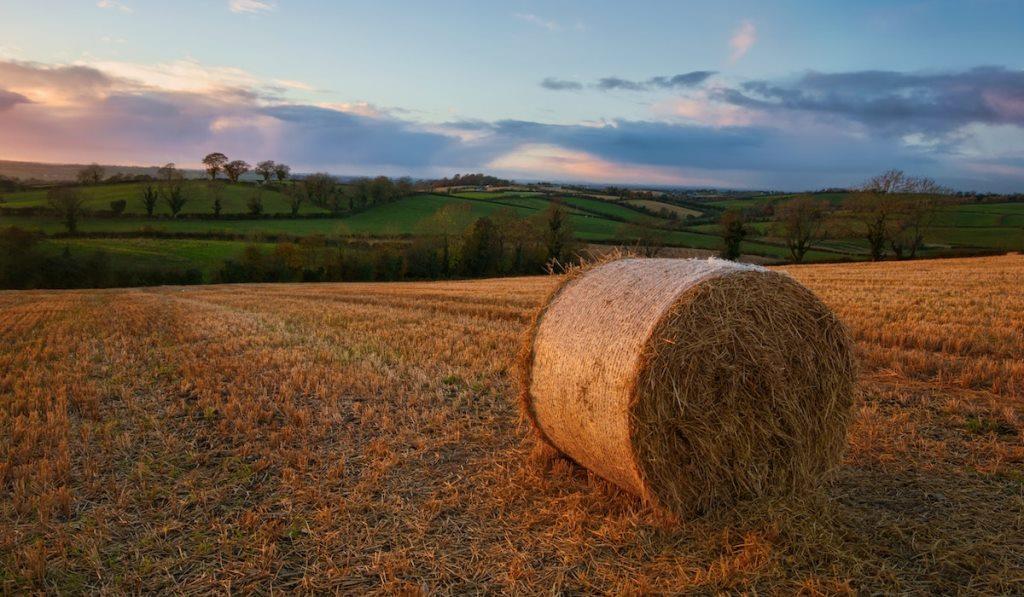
column 692, row 383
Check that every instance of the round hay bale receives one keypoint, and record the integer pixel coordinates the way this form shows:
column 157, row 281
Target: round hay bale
column 692, row 383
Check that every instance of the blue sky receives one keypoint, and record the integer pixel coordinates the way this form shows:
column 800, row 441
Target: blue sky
column 787, row 95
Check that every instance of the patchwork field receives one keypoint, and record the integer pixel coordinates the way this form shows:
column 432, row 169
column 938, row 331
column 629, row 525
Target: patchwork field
column 363, row 438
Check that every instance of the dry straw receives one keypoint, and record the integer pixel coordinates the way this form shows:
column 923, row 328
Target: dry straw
column 692, row 383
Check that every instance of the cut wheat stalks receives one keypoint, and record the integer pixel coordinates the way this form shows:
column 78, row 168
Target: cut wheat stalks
column 691, row 383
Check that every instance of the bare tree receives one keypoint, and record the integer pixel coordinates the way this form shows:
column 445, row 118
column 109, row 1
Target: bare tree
column 295, row 195
column 282, row 171
column 895, row 209
column 67, row 203
column 800, row 222
column 265, row 169
column 91, row 174
column 235, row 169
column 214, row 163
column 734, row 230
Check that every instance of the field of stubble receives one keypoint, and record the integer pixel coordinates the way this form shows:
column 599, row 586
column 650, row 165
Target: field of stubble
column 364, row 438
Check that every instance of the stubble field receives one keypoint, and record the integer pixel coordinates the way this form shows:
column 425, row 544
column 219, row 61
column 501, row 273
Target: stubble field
column 364, row 438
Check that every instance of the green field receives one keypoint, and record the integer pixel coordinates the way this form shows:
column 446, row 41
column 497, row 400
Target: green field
column 971, row 226
column 132, row 254
column 234, row 199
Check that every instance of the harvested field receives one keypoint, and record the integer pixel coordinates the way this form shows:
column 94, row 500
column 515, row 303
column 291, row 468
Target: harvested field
column 365, row 438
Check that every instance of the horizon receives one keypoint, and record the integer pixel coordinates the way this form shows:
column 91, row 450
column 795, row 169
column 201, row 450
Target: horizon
column 664, row 96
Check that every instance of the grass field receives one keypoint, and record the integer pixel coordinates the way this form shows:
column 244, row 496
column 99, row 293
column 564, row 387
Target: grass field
column 360, row 438
column 681, row 212
column 234, row 199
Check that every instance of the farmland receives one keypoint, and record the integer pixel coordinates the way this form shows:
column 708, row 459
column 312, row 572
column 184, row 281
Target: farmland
column 201, row 240
column 363, row 438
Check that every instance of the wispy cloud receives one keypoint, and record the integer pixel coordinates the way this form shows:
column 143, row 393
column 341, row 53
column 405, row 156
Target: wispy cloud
column 680, row 81
column 560, row 84
column 114, row 5
column 742, row 40
column 250, row 6
column 538, row 21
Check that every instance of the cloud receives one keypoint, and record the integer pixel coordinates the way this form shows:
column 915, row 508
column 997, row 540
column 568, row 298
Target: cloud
column 114, row 5
column 9, row 99
column 135, row 114
column 538, row 21
column 894, row 103
column 680, row 81
column 250, row 6
column 560, row 84
column 742, row 40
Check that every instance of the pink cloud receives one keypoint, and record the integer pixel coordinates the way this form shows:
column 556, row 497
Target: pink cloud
column 742, row 40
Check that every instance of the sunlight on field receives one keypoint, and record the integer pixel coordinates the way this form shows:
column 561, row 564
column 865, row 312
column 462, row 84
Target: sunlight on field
column 361, row 437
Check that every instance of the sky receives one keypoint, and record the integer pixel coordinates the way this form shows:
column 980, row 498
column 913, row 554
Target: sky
column 784, row 95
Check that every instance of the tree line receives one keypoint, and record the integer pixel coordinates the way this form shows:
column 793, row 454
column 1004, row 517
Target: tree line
column 498, row 245
column 891, row 212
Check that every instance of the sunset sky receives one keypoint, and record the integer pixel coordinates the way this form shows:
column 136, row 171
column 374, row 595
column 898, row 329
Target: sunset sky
column 791, row 95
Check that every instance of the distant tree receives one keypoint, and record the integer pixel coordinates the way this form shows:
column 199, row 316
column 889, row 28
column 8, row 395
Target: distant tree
column 149, row 199
column 800, row 222
column 381, row 190
column 557, row 234
column 446, row 222
column 91, row 174
column 734, row 230
column 255, row 203
column 235, row 169
column 175, row 195
column 215, row 190
column 67, row 204
column 169, row 172
column 118, row 206
column 295, row 195
column 319, row 188
column 481, row 249
column 265, row 169
column 895, row 209
column 214, row 163
column 282, row 171
column 642, row 240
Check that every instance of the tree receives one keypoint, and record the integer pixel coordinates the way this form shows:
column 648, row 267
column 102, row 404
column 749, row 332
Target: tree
column 800, row 222
column 67, row 203
column 734, row 230
column 885, row 211
column 557, row 234
column 255, row 203
column 168, row 172
column 295, row 195
column 216, row 193
column 91, row 174
column 282, row 171
column 118, row 206
column 235, row 169
column 319, row 188
column 446, row 222
column 175, row 195
column 643, row 240
column 481, row 251
column 265, row 169
column 214, row 163
column 149, row 199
